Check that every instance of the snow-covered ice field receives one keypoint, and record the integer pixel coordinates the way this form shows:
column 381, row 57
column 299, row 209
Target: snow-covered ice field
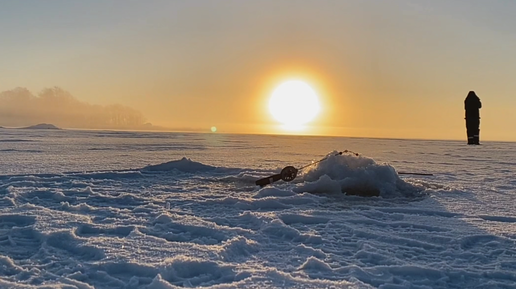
column 101, row 209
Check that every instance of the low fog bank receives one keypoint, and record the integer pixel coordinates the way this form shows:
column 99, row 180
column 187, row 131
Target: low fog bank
column 19, row 107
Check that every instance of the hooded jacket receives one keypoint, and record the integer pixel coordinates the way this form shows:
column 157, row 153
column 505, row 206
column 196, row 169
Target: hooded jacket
column 472, row 106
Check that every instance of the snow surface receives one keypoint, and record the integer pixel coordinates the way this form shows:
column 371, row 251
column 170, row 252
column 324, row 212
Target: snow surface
column 104, row 209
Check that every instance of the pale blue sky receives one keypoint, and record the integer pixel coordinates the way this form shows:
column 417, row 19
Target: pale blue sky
column 384, row 68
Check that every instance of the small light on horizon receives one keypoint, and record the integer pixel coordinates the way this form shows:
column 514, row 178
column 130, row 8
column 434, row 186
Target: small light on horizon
column 213, row 129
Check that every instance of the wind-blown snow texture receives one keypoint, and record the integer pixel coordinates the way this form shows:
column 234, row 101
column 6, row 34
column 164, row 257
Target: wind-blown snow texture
column 90, row 209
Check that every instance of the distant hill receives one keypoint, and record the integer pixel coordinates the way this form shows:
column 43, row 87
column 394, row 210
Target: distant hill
column 20, row 108
column 42, row 126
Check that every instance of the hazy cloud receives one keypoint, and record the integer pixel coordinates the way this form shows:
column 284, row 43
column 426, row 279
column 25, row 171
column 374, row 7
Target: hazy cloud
column 19, row 107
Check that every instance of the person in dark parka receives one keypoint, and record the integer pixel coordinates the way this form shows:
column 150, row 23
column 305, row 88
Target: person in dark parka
column 472, row 106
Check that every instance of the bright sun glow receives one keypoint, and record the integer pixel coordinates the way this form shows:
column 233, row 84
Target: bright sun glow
column 294, row 103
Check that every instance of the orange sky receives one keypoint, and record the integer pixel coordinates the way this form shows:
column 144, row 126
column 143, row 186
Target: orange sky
column 398, row 69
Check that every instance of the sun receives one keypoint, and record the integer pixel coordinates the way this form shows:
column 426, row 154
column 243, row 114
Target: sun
column 294, row 103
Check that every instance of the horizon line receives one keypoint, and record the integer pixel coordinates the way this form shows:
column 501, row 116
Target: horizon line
column 160, row 129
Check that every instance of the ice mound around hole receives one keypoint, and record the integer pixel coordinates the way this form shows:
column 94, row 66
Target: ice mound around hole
column 354, row 175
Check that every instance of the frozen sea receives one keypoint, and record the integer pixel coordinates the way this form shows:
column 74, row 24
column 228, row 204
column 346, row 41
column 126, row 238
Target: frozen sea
column 106, row 209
